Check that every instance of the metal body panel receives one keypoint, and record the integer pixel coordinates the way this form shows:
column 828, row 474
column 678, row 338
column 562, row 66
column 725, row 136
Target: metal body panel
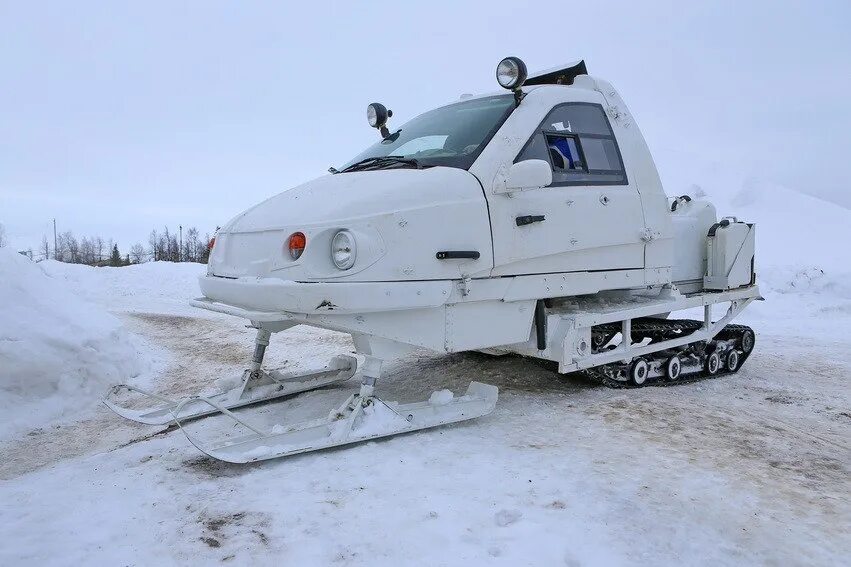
column 586, row 228
column 276, row 295
column 400, row 219
column 448, row 316
column 691, row 222
column 569, row 326
column 730, row 256
column 658, row 235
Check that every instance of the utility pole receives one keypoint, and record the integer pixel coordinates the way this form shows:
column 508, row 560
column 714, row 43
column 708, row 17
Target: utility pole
column 54, row 239
column 180, row 250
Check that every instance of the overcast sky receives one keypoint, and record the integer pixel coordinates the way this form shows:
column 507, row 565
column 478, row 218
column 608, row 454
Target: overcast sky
column 119, row 117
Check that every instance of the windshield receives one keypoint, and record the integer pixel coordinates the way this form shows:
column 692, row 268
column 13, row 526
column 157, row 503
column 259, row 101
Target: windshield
column 453, row 135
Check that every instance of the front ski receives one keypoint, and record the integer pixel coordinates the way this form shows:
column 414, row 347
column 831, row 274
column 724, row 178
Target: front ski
column 256, row 386
column 362, row 417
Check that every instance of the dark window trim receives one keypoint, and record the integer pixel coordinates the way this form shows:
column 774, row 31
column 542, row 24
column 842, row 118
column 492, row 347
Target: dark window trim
column 543, row 132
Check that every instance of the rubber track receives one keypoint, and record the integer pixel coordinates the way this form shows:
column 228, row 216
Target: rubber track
column 643, row 325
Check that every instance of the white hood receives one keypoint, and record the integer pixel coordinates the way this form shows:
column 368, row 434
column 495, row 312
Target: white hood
column 401, row 218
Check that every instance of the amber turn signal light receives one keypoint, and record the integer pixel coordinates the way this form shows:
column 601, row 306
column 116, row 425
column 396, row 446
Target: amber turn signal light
column 296, row 244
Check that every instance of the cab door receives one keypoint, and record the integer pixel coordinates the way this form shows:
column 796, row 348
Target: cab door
column 589, row 218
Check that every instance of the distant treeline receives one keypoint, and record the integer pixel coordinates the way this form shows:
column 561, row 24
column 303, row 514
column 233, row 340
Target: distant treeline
column 168, row 245
column 174, row 247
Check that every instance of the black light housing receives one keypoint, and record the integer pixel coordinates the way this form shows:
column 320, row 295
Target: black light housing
column 377, row 115
column 511, row 73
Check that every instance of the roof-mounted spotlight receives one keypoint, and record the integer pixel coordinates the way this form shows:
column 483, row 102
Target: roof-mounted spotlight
column 377, row 115
column 511, row 74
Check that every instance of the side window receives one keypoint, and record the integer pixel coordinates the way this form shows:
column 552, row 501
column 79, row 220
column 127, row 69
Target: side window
column 577, row 140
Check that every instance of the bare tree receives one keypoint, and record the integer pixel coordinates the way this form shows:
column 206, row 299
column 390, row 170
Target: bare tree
column 98, row 249
column 205, row 249
column 137, row 253
column 190, row 245
column 153, row 241
column 68, row 249
column 170, row 246
column 59, row 253
column 87, row 251
column 165, row 238
column 44, row 249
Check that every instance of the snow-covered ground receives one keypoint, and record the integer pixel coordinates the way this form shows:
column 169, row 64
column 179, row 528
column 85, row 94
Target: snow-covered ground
column 747, row 469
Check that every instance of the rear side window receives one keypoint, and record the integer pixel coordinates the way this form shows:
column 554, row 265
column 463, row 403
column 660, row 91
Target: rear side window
column 577, row 140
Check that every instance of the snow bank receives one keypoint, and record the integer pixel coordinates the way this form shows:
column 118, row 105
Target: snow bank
column 153, row 286
column 58, row 352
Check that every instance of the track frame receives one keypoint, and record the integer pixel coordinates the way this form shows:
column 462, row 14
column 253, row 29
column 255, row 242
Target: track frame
column 570, row 325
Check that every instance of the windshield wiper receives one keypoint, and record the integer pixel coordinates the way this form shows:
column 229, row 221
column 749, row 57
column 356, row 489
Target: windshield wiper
column 379, row 162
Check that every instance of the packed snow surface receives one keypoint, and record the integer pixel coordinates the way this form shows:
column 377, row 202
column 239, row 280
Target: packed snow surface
column 740, row 470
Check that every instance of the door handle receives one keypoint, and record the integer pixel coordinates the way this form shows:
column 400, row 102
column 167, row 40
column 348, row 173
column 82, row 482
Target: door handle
column 528, row 219
column 457, row 254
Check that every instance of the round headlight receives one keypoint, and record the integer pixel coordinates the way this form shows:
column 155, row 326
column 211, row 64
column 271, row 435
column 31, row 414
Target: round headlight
column 376, row 114
column 511, row 73
column 343, row 250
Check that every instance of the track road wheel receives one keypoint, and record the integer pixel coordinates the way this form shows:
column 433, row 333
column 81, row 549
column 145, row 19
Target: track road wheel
column 673, row 368
column 713, row 363
column 733, row 360
column 747, row 341
column 638, row 372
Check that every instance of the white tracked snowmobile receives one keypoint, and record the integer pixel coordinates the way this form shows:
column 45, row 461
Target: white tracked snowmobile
column 530, row 222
